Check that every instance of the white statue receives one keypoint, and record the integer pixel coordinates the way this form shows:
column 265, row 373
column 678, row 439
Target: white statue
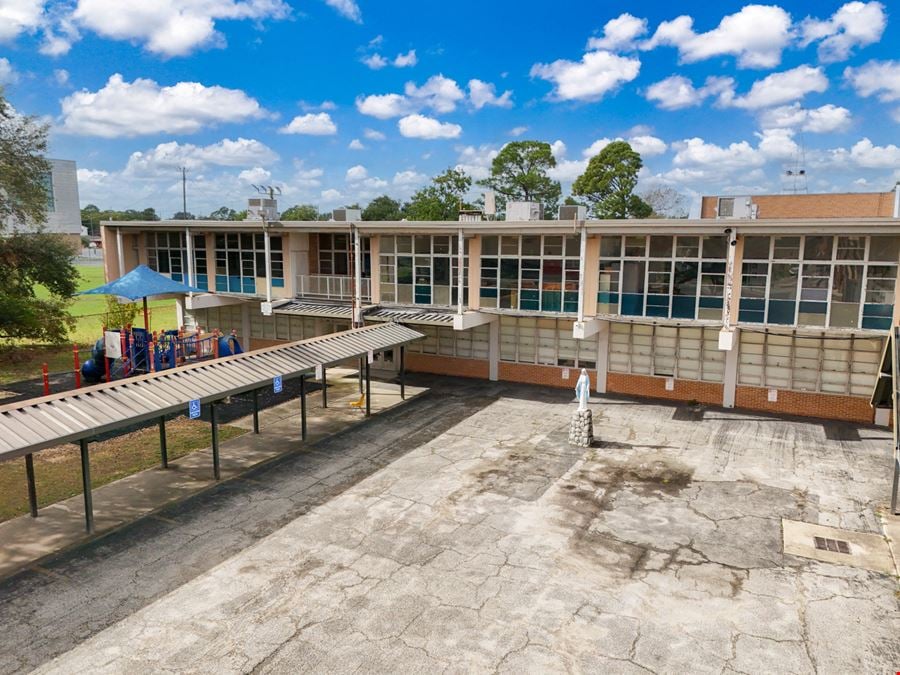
column 583, row 389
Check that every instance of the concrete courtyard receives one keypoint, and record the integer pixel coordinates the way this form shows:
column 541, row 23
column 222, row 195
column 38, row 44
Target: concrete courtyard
column 460, row 533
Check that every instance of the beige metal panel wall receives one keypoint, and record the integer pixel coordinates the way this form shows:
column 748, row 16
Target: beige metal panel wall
column 686, row 353
column 475, row 272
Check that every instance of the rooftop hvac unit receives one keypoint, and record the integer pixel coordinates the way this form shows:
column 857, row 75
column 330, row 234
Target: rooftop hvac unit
column 736, row 208
column 518, row 211
column 346, row 215
column 568, row 212
column 260, row 208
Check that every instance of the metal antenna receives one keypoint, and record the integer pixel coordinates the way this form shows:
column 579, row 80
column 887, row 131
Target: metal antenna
column 269, row 190
column 795, row 173
column 184, row 192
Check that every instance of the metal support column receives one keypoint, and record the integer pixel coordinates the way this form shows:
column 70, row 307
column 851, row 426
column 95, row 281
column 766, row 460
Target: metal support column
column 303, row 407
column 32, row 490
column 403, row 372
column 361, row 361
column 368, row 391
column 896, row 485
column 256, row 411
column 324, row 388
column 86, row 486
column 215, row 440
column 163, row 448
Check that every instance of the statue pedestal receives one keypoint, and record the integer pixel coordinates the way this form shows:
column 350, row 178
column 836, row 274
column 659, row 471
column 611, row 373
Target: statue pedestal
column 581, row 429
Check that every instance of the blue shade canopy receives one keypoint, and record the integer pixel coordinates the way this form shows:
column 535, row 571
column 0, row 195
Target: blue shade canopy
column 142, row 282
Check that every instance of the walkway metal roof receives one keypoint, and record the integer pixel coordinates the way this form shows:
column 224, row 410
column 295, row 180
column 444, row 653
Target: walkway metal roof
column 428, row 317
column 28, row 426
column 332, row 310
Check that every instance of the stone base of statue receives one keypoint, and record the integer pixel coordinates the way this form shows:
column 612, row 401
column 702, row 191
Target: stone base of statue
column 581, row 429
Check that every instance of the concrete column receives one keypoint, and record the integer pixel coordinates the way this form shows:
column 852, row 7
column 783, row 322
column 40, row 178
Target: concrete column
column 475, row 272
column 591, row 275
column 143, row 258
column 375, row 281
column 246, row 341
column 120, row 250
column 732, row 357
column 602, row 355
column 732, row 301
column 494, row 350
column 179, row 311
column 210, row 242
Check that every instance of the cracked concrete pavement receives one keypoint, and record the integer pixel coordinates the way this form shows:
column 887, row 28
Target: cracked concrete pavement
column 461, row 533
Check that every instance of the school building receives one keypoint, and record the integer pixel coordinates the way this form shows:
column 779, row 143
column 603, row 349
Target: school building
column 753, row 306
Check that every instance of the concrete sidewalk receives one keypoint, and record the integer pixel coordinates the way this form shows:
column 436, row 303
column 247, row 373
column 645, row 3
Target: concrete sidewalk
column 25, row 540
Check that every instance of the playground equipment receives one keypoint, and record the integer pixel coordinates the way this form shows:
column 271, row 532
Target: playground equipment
column 145, row 352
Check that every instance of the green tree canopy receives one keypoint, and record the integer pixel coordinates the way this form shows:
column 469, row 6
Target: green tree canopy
column 608, row 183
column 92, row 216
column 301, row 212
column 520, row 172
column 222, row 213
column 383, row 208
column 24, row 171
column 442, row 199
column 29, row 261
column 666, row 202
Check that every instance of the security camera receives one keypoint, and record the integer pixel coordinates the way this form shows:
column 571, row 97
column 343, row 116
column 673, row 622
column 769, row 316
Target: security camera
column 727, row 230
column 734, row 242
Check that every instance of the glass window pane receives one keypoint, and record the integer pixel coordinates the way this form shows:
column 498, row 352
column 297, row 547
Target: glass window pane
column 787, row 248
column 685, row 281
column 635, row 246
column 509, row 245
column 687, row 247
column 489, row 245
column 851, row 248
column 660, row 247
column 553, row 245
column 784, row 281
column 817, row 248
column 714, row 247
column 884, row 249
column 610, row 247
column 423, row 244
column 756, row 248
column 531, row 245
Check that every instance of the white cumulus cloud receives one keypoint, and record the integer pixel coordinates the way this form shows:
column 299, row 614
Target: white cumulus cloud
column 783, row 87
column 375, row 61
column 420, row 126
column 20, row 16
column 8, row 75
column 476, row 160
column 439, row 93
column 171, row 156
column 876, row 78
column 697, row 153
column 374, row 135
column 383, row 106
column 871, row 156
column 855, row 24
column 356, row 144
column 482, row 94
column 619, row 34
column 356, row 174
column 347, row 8
column 255, row 176
column 311, row 124
column 409, row 179
column 407, row 60
column 756, row 36
column 591, row 78
column 819, row 120
column 143, row 107
column 676, row 92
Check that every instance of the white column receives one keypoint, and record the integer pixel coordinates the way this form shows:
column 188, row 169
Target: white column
column 581, row 264
column 494, row 350
column 245, row 325
column 179, row 312
column 602, row 356
column 732, row 358
column 189, row 244
column 120, row 249
column 460, row 259
column 357, row 269
column 268, row 254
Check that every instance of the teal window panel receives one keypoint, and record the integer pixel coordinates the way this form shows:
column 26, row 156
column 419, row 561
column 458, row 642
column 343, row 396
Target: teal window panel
column 202, row 282
column 653, row 310
column 782, row 312
column 878, row 310
column 807, row 307
column 753, row 304
column 751, row 316
column 248, row 285
column 608, row 298
column 551, row 301
column 633, row 304
column 176, row 276
column 530, row 305
column 683, row 307
column 488, row 292
column 221, row 283
column 234, row 284
column 876, row 323
column 714, row 303
column 570, row 305
column 530, row 295
column 278, row 283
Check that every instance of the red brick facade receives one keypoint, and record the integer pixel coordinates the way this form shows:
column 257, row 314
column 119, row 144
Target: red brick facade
column 846, row 205
column 447, row 365
column 806, row 404
column 655, row 387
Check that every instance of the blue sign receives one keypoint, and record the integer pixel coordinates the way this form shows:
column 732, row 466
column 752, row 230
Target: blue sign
column 194, row 409
column 276, row 384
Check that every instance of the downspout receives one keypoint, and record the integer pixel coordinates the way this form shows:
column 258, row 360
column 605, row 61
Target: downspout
column 897, row 199
column 190, row 259
column 357, row 270
column 120, row 249
column 460, row 260
column 580, row 273
column 729, row 279
column 268, row 254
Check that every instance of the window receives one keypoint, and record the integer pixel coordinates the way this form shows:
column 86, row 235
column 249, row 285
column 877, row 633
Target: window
column 819, row 280
column 334, row 254
column 682, row 352
column 530, row 273
column 662, row 276
column 201, row 273
column 47, row 184
column 241, row 260
column 726, row 207
column 466, row 344
column 544, row 341
column 422, row 270
column 166, row 253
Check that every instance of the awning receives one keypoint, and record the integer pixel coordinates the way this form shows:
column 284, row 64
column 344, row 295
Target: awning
column 425, row 317
column 29, row 426
column 322, row 309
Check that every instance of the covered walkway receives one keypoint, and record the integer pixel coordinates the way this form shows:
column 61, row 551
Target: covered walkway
column 78, row 416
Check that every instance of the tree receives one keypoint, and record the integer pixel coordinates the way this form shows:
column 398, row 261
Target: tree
column 29, row 261
column 222, row 213
column 520, row 173
column 442, row 199
column 301, row 212
column 608, row 183
column 666, row 202
column 24, row 170
column 183, row 215
column 383, row 208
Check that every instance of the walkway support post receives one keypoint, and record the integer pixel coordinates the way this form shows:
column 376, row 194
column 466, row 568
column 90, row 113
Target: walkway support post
column 403, row 372
column 324, row 388
column 32, row 490
column 256, row 411
column 163, row 447
column 86, row 486
column 303, row 407
column 215, row 441
column 368, row 390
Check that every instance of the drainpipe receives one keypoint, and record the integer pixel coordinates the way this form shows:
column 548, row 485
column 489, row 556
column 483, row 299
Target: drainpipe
column 729, row 279
column 190, row 258
column 268, row 254
column 580, row 274
column 120, row 249
column 897, row 199
column 460, row 260
column 357, row 269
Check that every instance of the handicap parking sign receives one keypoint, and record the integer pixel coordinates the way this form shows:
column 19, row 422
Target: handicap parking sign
column 276, row 384
column 194, row 409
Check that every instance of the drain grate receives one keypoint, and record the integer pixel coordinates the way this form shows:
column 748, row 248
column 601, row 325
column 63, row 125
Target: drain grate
column 833, row 545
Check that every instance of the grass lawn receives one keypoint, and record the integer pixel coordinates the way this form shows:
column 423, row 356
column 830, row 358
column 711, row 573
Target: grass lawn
column 58, row 470
column 23, row 359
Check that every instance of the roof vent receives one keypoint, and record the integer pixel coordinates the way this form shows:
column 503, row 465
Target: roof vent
column 518, row 211
column 346, row 215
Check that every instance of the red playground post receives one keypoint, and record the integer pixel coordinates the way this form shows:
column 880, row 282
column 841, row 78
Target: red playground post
column 46, row 375
column 77, row 366
column 215, row 343
column 124, row 353
column 151, row 356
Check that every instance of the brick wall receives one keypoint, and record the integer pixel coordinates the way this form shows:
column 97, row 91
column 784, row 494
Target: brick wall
column 806, row 404
column 846, row 205
column 655, row 387
column 551, row 376
column 446, row 365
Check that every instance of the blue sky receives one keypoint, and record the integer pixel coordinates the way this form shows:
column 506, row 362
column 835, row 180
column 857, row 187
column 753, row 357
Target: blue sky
column 337, row 101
